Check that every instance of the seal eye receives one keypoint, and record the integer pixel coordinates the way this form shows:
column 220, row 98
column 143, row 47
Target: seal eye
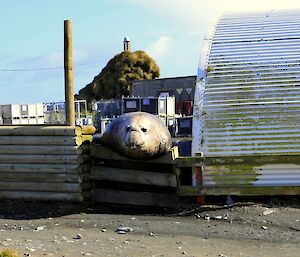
column 144, row 129
column 128, row 128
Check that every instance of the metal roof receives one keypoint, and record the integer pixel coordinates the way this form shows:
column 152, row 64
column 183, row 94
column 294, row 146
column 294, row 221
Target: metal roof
column 247, row 96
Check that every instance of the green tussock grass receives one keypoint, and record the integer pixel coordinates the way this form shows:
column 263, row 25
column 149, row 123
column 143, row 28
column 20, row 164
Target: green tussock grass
column 8, row 253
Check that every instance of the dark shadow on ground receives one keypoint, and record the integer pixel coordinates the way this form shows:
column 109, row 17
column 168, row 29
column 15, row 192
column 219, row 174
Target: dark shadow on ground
column 25, row 210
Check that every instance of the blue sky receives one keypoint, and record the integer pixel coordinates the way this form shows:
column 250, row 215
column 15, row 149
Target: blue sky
column 170, row 31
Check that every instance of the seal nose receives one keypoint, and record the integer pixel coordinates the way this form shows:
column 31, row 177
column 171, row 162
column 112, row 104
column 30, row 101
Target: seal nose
column 134, row 138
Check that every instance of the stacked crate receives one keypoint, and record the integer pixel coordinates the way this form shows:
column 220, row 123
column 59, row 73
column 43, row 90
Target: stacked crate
column 23, row 114
column 45, row 163
column 120, row 180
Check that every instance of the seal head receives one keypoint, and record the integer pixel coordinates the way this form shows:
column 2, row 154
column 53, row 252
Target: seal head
column 137, row 135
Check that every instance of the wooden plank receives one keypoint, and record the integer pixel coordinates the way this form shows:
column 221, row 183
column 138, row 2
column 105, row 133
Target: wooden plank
column 135, row 198
column 245, row 191
column 43, row 159
column 44, row 168
column 41, row 196
column 185, row 162
column 253, row 191
column 87, row 129
column 187, row 191
column 102, row 152
column 40, row 187
column 43, row 149
column 87, row 138
column 41, row 177
column 40, row 140
column 39, row 130
column 134, row 176
column 254, row 160
column 233, row 160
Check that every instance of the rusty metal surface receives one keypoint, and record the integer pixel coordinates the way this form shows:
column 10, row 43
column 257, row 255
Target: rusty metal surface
column 247, row 97
column 248, row 89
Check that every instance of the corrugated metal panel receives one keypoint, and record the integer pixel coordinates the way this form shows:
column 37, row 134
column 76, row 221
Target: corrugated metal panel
column 247, row 97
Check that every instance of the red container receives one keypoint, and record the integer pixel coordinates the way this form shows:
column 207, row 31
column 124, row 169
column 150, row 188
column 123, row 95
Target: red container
column 178, row 108
column 187, row 108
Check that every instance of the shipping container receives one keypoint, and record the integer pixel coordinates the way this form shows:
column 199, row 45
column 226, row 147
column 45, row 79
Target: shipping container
column 132, row 104
column 184, row 126
column 108, row 108
column 187, row 108
column 161, row 106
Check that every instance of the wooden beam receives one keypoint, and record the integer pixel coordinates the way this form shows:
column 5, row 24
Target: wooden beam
column 253, row 160
column 41, row 187
column 42, row 149
column 69, row 73
column 188, row 162
column 43, row 159
column 40, row 140
column 134, row 176
column 235, row 160
column 87, row 129
column 102, row 152
column 40, row 130
column 41, row 177
column 44, row 168
column 87, row 138
column 135, row 198
column 244, row 191
column 41, row 196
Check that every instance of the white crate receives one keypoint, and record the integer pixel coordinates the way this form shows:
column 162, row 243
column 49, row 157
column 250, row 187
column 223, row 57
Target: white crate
column 24, row 121
column 35, row 121
column 35, row 110
column 40, row 120
column 11, row 121
column 11, row 111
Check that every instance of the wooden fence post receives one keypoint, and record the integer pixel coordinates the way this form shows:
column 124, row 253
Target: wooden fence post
column 69, row 74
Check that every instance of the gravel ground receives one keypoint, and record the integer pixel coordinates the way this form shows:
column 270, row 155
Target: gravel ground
column 59, row 229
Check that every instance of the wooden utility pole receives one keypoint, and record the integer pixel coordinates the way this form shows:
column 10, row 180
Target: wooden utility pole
column 69, row 73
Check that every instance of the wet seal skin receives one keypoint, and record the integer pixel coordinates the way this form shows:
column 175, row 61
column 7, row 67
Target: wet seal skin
column 137, row 135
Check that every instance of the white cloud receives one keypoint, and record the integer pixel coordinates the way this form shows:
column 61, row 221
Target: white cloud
column 193, row 13
column 160, row 48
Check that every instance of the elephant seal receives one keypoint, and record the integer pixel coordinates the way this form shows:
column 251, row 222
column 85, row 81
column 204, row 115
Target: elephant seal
column 137, row 135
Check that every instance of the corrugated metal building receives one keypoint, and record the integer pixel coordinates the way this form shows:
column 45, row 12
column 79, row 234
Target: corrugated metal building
column 247, row 100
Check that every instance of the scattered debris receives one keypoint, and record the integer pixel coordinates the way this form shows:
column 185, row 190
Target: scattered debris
column 30, row 249
column 264, row 227
column 78, row 236
column 222, row 255
column 267, row 212
column 125, row 229
column 103, row 229
column 219, row 217
column 40, row 228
